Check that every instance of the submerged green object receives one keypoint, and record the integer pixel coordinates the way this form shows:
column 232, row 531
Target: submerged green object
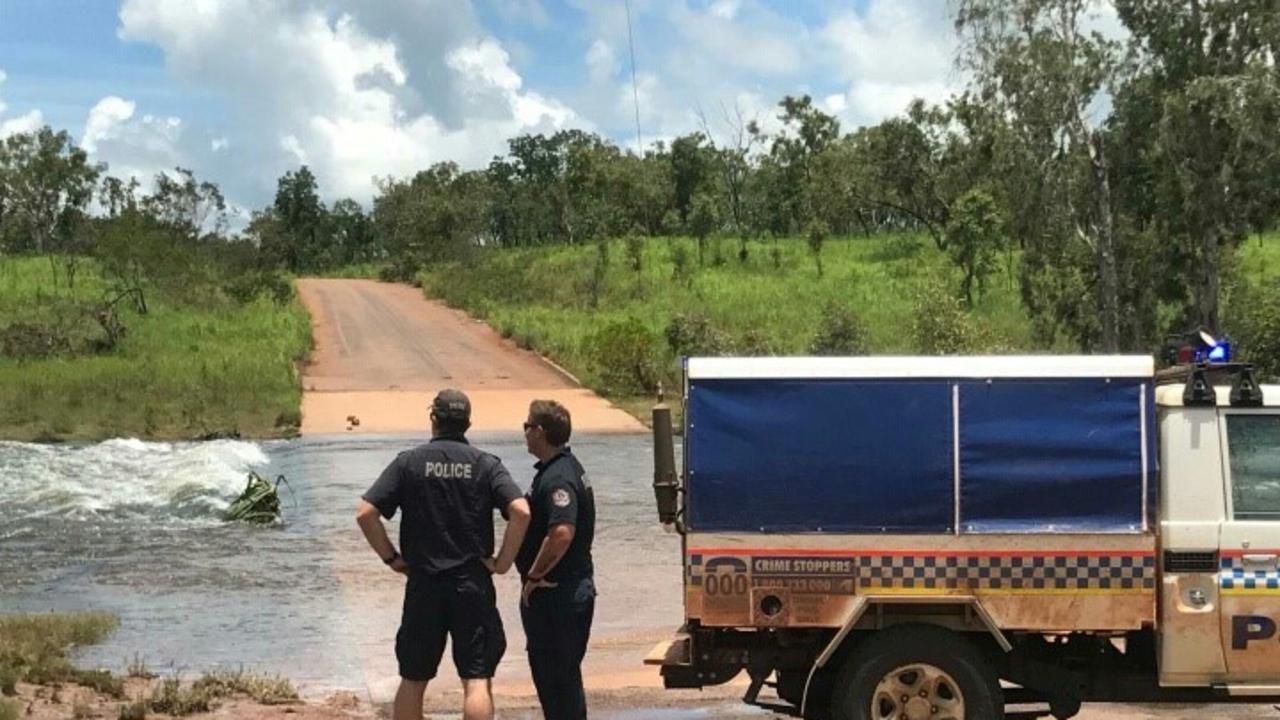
column 259, row 503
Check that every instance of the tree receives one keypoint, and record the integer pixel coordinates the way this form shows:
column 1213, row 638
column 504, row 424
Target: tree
column 191, row 207
column 117, row 196
column 703, row 220
column 301, row 223
column 734, row 162
column 691, row 168
column 1034, row 62
column 974, row 239
column 1207, row 80
column 807, row 132
column 816, row 234
column 353, row 236
column 47, row 183
column 439, row 214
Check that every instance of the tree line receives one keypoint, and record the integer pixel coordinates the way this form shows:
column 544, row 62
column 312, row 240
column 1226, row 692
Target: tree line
column 1121, row 176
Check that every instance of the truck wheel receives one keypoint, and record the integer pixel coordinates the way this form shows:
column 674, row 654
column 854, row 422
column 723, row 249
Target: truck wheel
column 791, row 685
column 916, row 672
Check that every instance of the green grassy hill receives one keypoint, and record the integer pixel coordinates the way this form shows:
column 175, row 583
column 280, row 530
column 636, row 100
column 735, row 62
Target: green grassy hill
column 562, row 300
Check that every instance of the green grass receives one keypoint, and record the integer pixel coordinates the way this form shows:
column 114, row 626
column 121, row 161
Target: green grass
column 181, row 371
column 171, row 696
column 263, row 689
column 540, row 297
column 35, row 648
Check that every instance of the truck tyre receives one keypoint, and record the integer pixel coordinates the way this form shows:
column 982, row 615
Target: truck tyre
column 916, row 672
column 791, row 685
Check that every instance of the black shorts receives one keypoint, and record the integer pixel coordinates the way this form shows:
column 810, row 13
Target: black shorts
column 461, row 604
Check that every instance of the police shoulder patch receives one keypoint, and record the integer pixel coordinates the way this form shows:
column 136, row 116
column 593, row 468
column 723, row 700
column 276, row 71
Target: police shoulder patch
column 560, row 498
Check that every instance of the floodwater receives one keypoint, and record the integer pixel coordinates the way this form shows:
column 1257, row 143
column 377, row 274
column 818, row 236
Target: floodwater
column 134, row 528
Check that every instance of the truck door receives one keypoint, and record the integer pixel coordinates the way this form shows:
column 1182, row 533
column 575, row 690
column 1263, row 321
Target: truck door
column 1249, row 575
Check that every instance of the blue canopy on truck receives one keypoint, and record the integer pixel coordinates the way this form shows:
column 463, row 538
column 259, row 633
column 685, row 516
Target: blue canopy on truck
column 919, row 445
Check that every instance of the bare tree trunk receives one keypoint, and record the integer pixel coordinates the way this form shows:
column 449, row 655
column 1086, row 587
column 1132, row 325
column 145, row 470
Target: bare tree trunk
column 1106, row 249
column 1210, row 259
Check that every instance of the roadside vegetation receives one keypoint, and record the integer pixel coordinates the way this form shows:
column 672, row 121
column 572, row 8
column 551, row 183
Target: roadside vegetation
column 75, row 367
column 619, row 315
column 35, row 650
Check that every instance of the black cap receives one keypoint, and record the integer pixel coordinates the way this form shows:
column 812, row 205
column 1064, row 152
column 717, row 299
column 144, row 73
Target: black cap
column 452, row 404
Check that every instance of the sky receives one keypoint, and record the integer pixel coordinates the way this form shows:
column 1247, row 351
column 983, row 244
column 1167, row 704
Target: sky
column 241, row 91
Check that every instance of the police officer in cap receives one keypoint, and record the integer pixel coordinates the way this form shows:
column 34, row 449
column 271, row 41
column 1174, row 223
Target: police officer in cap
column 558, row 597
column 446, row 491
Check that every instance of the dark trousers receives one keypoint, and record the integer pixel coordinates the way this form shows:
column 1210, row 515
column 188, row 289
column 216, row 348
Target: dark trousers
column 557, row 624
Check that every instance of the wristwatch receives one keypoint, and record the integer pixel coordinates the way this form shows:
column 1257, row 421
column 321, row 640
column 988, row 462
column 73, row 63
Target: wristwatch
column 395, row 555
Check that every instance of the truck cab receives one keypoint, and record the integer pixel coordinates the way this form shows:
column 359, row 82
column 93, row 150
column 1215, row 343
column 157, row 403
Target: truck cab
column 942, row 537
column 1220, row 539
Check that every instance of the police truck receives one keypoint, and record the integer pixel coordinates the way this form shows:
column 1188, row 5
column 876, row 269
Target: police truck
column 920, row 538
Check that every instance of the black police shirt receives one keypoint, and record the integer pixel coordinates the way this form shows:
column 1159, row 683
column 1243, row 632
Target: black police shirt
column 446, row 491
column 560, row 494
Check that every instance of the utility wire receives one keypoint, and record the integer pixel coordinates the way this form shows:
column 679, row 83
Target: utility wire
column 635, row 92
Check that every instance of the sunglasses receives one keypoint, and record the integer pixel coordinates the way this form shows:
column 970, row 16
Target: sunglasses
column 528, row 426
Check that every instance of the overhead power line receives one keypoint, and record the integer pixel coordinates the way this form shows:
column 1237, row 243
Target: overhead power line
column 635, row 92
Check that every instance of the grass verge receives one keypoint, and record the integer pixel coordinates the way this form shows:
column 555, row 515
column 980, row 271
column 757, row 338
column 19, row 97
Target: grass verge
column 181, row 371
column 35, row 649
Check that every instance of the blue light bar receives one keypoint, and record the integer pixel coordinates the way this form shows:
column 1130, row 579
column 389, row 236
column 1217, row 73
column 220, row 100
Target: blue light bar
column 1219, row 352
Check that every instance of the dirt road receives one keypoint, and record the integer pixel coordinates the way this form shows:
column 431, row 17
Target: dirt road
column 382, row 351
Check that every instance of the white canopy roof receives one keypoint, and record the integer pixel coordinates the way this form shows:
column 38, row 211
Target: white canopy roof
column 885, row 366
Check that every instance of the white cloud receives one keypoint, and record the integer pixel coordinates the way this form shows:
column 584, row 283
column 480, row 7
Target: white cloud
column 484, row 62
column 892, row 52
column 602, row 62
column 105, row 120
column 355, row 90
column 132, row 145
column 27, row 122
column 761, row 42
column 725, row 9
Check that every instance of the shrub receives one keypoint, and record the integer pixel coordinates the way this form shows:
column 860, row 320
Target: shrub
column 8, row 710
column 635, row 252
column 133, row 711
column 1253, row 317
column 9, row 676
column 173, row 698
column 402, row 268
column 755, row 343
column 681, row 272
column 940, row 325
column 625, row 357
column 840, row 332
column 250, row 286
column 690, row 334
column 33, row 341
column 265, row 690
